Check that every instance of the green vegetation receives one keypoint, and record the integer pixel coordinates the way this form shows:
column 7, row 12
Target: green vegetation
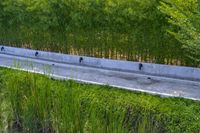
column 131, row 30
column 157, row 31
column 35, row 103
column 185, row 15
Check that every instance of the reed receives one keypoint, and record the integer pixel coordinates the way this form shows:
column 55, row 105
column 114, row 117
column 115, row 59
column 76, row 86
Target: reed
column 36, row 103
column 132, row 30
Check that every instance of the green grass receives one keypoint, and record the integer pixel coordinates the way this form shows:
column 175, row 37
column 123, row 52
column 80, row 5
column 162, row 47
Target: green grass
column 35, row 103
column 134, row 30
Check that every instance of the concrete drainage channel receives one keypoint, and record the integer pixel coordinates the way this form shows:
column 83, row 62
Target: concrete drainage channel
column 155, row 79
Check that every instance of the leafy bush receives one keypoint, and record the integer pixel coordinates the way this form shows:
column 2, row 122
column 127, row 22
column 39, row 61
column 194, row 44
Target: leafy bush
column 185, row 15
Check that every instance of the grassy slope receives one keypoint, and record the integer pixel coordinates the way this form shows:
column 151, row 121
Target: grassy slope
column 34, row 103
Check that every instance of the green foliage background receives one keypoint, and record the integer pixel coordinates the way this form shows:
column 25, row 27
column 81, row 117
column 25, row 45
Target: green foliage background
column 185, row 15
column 133, row 30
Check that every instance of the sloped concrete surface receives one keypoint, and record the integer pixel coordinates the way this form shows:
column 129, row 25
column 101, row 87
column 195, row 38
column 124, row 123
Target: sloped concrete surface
column 182, row 72
column 125, row 80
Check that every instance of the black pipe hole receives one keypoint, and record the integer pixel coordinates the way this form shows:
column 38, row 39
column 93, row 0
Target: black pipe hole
column 140, row 66
column 80, row 59
column 2, row 48
column 36, row 53
column 149, row 78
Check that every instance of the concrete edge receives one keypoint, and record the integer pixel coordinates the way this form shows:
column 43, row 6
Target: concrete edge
column 181, row 72
column 97, row 83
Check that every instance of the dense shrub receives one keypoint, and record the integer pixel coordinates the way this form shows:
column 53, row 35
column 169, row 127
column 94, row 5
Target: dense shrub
column 34, row 103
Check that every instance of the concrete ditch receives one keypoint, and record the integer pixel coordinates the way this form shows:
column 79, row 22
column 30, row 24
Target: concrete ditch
column 156, row 79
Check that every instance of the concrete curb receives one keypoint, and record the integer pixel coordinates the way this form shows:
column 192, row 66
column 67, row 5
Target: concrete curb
column 188, row 73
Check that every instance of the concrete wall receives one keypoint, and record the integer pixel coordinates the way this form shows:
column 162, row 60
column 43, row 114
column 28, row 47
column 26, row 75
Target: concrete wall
column 147, row 68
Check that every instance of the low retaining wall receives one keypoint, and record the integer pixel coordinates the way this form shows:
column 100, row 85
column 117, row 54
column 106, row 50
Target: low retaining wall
column 146, row 68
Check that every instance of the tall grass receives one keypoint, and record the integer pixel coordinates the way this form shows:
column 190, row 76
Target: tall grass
column 39, row 104
column 132, row 30
column 103, row 44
